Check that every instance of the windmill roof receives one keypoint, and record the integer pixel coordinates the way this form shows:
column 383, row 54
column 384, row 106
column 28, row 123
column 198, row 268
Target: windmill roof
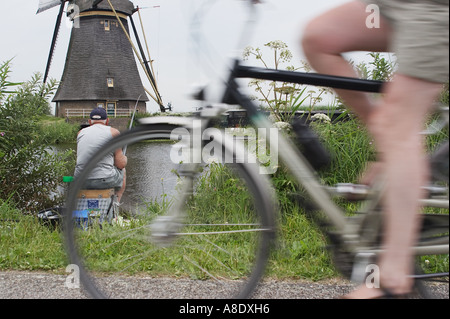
column 123, row 6
column 94, row 55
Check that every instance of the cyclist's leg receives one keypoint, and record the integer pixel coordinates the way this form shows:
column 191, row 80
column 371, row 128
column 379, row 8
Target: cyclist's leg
column 396, row 124
column 340, row 30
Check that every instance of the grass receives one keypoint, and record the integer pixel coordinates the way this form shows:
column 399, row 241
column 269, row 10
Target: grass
column 25, row 244
column 300, row 250
column 56, row 130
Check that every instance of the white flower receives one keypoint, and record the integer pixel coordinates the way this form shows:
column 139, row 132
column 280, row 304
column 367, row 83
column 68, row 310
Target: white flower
column 282, row 126
column 320, row 117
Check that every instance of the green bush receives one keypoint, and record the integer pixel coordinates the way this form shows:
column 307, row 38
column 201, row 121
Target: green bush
column 30, row 172
column 57, row 131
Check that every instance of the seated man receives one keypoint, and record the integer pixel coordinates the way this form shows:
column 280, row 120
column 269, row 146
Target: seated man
column 110, row 172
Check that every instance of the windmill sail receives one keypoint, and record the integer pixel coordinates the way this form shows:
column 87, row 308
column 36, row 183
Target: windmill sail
column 47, row 4
column 55, row 36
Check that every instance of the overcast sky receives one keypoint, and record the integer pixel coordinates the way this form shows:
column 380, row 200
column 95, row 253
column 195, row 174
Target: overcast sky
column 26, row 37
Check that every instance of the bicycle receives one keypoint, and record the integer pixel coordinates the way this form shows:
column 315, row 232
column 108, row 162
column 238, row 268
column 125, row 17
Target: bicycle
column 227, row 249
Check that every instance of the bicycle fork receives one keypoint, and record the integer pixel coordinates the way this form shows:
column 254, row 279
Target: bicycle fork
column 166, row 228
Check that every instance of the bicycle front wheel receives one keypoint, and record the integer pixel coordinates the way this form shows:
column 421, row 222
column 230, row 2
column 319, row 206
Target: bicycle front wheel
column 209, row 239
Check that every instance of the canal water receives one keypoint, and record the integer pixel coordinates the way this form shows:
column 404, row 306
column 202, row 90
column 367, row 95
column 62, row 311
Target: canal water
column 150, row 173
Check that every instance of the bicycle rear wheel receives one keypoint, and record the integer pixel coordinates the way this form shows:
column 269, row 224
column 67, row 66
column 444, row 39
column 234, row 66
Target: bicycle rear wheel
column 209, row 241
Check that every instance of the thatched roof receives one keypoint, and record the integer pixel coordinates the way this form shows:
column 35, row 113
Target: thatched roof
column 94, row 55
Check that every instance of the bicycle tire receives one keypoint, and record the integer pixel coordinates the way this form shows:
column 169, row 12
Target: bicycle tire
column 95, row 275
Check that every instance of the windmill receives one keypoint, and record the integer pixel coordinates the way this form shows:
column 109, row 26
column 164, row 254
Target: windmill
column 100, row 67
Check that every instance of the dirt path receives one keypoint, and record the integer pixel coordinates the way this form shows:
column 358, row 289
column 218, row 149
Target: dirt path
column 39, row 285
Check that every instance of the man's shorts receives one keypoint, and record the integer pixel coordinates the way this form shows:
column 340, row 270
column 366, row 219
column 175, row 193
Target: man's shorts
column 115, row 181
column 421, row 36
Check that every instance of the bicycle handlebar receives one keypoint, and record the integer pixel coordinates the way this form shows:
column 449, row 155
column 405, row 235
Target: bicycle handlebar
column 336, row 82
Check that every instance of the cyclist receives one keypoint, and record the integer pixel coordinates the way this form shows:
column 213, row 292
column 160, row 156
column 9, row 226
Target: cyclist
column 110, row 172
column 418, row 32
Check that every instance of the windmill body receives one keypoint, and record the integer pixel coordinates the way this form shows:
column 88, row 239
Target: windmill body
column 100, row 67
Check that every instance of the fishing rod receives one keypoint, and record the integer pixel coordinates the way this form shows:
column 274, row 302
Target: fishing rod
column 131, row 122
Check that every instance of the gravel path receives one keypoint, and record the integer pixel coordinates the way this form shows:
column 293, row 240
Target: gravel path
column 37, row 285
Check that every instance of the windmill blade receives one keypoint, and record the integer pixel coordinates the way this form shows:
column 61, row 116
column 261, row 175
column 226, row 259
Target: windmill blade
column 55, row 36
column 149, row 71
column 47, row 4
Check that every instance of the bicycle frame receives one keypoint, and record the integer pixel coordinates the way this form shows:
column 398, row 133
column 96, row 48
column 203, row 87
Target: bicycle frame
column 289, row 153
column 295, row 161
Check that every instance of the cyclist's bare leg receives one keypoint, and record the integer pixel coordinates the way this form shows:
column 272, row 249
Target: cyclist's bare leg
column 396, row 124
column 324, row 43
column 340, row 30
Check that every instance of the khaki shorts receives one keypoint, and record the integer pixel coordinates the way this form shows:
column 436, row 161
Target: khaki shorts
column 421, row 36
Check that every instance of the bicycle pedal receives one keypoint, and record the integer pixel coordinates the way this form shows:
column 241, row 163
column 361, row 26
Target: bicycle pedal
column 433, row 190
column 353, row 192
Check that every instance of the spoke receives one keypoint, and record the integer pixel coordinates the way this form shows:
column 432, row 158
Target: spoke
column 217, row 246
column 224, row 232
column 144, row 255
column 201, row 268
column 121, row 239
column 225, row 224
column 202, row 250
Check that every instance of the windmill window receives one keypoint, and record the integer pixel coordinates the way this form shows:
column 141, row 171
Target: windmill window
column 110, row 82
column 107, row 25
column 111, row 108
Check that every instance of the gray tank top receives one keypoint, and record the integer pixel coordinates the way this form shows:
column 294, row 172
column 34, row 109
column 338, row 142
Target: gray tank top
column 89, row 140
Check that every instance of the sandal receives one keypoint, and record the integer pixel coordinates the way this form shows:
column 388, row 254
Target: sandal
column 387, row 294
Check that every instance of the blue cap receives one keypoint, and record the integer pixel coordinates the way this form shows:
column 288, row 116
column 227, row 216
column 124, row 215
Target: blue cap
column 99, row 113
